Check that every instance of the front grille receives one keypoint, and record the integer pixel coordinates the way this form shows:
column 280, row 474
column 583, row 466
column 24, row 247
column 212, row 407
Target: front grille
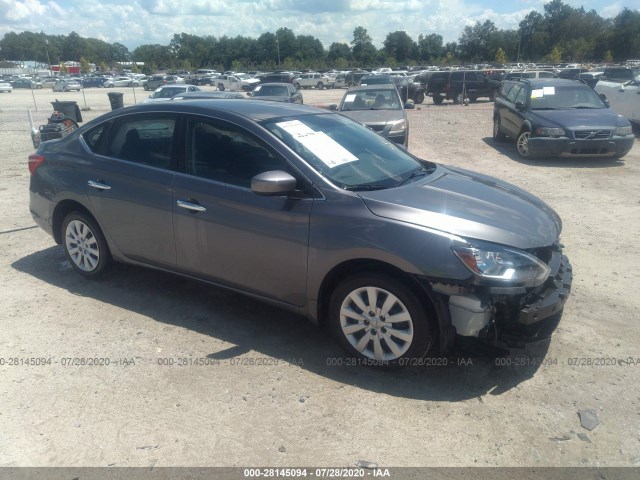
column 376, row 128
column 592, row 134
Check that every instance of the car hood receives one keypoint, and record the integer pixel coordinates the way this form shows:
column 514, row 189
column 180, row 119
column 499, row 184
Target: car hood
column 578, row 118
column 374, row 117
column 469, row 205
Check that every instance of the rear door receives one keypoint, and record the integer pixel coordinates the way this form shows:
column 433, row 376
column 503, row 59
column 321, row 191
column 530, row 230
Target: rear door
column 129, row 184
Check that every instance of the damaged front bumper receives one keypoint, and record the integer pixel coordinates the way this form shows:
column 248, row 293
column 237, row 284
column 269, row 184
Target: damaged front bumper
column 503, row 316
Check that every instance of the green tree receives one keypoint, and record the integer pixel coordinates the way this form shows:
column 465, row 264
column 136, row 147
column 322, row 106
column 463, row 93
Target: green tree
column 500, row 56
column 556, row 55
column 362, row 50
column 430, row 47
column 338, row 51
column 399, row 45
column 84, row 65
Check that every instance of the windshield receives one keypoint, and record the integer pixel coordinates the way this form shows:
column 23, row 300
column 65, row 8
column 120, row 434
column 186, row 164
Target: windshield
column 378, row 99
column 565, row 97
column 270, row 91
column 347, row 153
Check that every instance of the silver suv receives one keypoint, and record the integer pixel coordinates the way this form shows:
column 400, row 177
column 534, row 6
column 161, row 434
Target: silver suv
column 315, row 80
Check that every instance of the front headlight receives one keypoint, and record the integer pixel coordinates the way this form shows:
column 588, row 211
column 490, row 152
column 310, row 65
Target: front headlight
column 398, row 127
column 623, row 130
column 549, row 132
column 504, row 265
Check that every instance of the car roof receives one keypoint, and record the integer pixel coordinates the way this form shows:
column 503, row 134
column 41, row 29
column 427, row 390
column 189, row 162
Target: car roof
column 378, row 86
column 546, row 82
column 255, row 111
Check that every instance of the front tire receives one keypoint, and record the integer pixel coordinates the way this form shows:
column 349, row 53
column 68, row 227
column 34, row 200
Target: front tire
column 418, row 98
column 84, row 245
column 438, row 99
column 379, row 320
column 522, row 144
column 320, row 86
column 221, row 87
column 498, row 134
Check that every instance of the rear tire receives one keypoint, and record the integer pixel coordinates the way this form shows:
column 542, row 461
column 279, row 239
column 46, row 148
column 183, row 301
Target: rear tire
column 418, row 98
column 379, row 320
column 84, row 245
column 221, row 87
column 438, row 99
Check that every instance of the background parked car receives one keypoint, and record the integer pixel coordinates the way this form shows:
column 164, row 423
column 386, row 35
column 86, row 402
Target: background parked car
column 623, row 98
column 6, row 87
column 166, row 92
column 408, row 89
column 558, row 117
column 277, row 92
column 277, row 77
column 88, row 82
column 63, row 85
column 620, row 74
column 121, row 82
column 154, row 81
column 313, row 80
column 590, row 78
column 26, row 83
column 380, row 108
column 457, row 84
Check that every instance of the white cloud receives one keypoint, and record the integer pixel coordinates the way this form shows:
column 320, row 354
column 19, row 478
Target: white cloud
column 138, row 22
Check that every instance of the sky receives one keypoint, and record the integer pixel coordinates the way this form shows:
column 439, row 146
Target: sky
column 138, row 22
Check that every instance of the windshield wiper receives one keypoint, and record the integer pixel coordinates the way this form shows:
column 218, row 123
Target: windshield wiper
column 584, row 106
column 364, row 186
column 418, row 172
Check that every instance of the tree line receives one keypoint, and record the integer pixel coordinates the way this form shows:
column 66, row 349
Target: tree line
column 560, row 33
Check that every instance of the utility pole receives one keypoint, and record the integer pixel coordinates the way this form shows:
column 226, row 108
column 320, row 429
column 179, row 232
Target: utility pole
column 278, row 47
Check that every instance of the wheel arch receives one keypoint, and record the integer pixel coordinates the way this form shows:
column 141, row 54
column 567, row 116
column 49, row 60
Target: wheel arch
column 435, row 304
column 63, row 209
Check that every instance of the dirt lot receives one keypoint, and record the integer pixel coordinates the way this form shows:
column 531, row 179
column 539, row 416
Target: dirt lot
column 269, row 395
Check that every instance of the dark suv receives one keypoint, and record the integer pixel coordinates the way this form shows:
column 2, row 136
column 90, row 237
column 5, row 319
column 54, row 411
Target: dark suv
column 407, row 88
column 559, row 117
column 278, row 77
column 457, row 84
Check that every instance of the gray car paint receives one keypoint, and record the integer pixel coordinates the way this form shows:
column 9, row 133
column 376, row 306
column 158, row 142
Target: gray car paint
column 282, row 249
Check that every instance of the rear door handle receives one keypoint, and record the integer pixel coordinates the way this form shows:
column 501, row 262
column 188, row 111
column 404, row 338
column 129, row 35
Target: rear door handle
column 194, row 207
column 98, row 185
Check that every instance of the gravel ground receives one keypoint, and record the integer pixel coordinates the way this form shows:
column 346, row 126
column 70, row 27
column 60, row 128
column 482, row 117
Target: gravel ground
column 270, row 395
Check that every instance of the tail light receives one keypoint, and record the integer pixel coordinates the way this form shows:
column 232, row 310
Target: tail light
column 34, row 162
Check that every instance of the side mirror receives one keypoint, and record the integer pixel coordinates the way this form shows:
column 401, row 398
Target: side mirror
column 520, row 106
column 274, row 182
column 333, row 107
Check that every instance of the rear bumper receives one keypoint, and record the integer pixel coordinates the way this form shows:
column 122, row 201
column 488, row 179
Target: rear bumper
column 566, row 147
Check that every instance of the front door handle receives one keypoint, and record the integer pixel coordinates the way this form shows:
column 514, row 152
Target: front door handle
column 98, row 185
column 194, row 207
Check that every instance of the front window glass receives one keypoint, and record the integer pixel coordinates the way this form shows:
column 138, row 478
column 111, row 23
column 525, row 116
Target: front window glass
column 565, row 97
column 225, row 153
column 348, row 154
